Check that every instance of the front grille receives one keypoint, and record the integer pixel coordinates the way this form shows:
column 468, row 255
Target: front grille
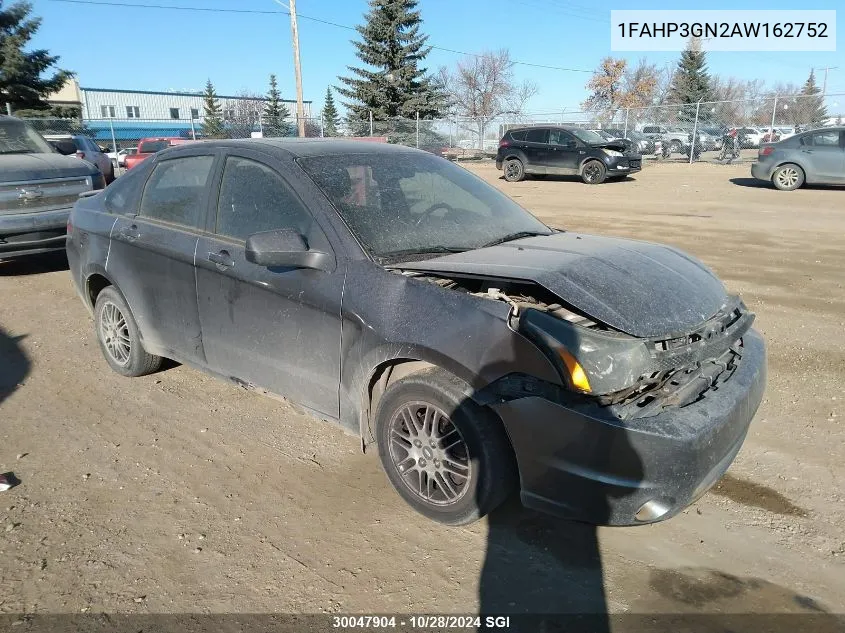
column 41, row 195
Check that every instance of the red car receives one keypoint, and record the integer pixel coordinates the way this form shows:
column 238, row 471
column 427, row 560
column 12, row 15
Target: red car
column 149, row 146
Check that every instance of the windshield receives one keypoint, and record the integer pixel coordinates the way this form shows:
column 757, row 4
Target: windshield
column 16, row 137
column 151, row 147
column 401, row 205
column 588, row 136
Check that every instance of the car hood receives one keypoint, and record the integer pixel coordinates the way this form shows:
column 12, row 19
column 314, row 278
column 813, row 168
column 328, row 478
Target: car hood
column 28, row 167
column 620, row 145
column 643, row 289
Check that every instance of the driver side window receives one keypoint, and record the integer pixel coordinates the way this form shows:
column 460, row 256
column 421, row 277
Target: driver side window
column 426, row 191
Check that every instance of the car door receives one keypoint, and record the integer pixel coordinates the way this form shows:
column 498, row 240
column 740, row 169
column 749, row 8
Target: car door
column 278, row 329
column 536, row 149
column 824, row 154
column 564, row 153
column 151, row 257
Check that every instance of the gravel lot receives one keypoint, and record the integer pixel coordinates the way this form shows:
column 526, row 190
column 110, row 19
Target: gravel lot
column 177, row 492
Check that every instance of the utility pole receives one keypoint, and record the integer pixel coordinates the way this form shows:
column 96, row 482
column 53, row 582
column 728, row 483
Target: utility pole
column 300, row 114
column 294, row 29
column 824, row 84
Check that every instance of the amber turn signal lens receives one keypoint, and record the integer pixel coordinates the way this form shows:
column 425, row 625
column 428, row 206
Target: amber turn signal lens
column 576, row 373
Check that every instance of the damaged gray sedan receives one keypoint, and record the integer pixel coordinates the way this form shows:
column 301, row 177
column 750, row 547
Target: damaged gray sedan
column 610, row 381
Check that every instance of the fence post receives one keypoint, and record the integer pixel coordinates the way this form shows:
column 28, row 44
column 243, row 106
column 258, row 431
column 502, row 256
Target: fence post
column 113, row 143
column 193, row 130
column 625, row 131
column 694, row 131
column 481, row 138
column 774, row 112
column 418, row 129
column 322, row 127
column 8, row 108
column 371, row 122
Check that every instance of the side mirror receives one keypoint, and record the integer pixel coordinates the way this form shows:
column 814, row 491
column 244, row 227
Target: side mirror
column 284, row 248
column 66, row 148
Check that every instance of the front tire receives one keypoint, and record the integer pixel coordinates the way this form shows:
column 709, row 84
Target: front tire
column 119, row 338
column 446, row 456
column 675, row 147
column 788, row 177
column 514, row 170
column 593, row 172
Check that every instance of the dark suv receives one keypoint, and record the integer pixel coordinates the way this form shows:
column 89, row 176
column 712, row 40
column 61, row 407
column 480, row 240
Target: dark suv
column 564, row 151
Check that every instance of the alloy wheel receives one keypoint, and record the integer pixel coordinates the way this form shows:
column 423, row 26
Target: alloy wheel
column 592, row 172
column 512, row 169
column 115, row 333
column 787, row 177
column 429, row 453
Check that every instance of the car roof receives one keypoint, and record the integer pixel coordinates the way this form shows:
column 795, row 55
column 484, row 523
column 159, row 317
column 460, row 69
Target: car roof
column 306, row 147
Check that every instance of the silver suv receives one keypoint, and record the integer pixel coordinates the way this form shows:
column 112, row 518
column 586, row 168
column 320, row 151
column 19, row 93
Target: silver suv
column 38, row 187
column 86, row 149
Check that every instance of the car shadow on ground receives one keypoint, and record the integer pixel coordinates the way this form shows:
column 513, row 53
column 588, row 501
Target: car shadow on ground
column 34, row 264
column 754, row 183
column 547, row 571
column 14, row 364
column 575, row 179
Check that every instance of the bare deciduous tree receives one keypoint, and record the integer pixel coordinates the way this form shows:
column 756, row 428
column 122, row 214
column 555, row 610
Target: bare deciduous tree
column 245, row 112
column 483, row 87
column 615, row 86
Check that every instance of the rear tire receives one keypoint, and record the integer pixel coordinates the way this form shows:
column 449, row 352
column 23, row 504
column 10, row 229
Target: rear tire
column 456, row 464
column 674, row 147
column 788, row 177
column 593, row 172
column 513, row 170
column 119, row 338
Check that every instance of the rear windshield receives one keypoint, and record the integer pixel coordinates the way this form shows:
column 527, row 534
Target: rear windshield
column 16, row 137
column 151, row 147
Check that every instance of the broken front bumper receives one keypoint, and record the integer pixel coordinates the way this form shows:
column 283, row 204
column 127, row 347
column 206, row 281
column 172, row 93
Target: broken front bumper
column 585, row 465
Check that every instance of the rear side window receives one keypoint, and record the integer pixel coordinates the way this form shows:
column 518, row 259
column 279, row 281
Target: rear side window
column 254, row 198
column 828, row 138
column 124, row 194
column 538, row 135
column 176, row 190
column 518, row 136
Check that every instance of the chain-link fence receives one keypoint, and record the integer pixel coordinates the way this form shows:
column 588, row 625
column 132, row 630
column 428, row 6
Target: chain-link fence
column 670, row 129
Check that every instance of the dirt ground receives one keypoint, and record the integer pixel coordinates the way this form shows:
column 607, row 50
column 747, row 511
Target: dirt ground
column 179, row 493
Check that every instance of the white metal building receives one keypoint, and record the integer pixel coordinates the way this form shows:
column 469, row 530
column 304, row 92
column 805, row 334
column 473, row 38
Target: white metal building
column 104, row 103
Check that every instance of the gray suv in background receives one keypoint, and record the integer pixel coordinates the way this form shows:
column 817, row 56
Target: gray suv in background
column 84, row 148
column 38, row 187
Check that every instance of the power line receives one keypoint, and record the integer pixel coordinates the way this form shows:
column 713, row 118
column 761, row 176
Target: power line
column 137, row 5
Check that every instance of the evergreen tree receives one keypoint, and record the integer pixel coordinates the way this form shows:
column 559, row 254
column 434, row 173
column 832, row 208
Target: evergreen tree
column 691, row 81
column 810, row 105
column 393, row 84
column 212, row 126
column 276, row 112
column 21, row 81
column 331, row 119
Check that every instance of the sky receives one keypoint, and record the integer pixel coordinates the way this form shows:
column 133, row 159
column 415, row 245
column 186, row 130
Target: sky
column 158, row 49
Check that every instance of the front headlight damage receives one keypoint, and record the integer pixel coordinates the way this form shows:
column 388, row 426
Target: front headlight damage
column 638, row 377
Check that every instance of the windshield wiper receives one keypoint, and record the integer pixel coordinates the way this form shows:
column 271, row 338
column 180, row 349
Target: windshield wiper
column 511, row 237
column 424, row 251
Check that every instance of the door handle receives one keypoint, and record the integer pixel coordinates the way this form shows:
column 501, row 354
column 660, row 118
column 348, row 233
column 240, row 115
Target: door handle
column 222, row 259
column 130, row 233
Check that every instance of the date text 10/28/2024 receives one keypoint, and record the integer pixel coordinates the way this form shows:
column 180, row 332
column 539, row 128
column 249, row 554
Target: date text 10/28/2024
column 420, row 621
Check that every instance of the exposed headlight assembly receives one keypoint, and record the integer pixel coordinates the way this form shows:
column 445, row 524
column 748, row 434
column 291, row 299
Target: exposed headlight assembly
column 612, row 152
column 596, row 362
